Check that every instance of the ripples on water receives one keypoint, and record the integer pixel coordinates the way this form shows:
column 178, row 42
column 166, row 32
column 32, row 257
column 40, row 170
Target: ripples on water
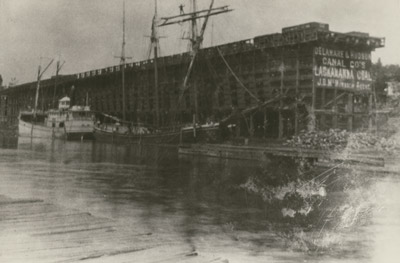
column 200, row 201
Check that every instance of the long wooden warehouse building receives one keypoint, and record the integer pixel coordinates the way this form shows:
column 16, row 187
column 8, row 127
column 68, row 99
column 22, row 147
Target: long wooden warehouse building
column 322, row 80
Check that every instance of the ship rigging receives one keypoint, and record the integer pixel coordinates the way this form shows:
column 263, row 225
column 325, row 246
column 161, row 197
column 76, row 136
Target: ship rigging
column 124, row 131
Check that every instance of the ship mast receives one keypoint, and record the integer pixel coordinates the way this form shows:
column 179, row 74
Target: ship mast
column 196, row 37
column 122, row 64
column 58, row 69
column 154, row 38
column 194, row 33
column 39, row 78
column 196, row 42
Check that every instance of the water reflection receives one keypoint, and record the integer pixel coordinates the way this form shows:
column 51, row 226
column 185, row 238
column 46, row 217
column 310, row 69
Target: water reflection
column 201, row 201
column 8, row 139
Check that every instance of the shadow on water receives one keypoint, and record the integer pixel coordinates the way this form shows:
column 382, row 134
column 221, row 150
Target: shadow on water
column 269, row 204
column 8, row 139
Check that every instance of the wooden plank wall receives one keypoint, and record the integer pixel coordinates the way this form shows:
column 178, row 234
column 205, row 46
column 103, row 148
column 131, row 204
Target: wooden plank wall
column 264, row 68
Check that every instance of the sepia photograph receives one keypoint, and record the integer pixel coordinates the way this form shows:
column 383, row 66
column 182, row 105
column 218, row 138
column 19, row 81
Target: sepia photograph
column 199, row 131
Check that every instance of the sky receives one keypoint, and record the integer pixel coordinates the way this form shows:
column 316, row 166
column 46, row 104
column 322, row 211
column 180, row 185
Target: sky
column 87, row 34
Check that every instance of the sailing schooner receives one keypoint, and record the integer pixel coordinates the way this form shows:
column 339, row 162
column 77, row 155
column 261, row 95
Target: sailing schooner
column 122, row 131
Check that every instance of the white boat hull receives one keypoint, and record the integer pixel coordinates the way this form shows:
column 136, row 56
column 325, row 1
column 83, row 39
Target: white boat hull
column 71, row 130
column 26, row 129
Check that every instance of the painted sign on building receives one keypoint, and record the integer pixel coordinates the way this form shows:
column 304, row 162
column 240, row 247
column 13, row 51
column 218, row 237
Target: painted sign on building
column 343, row 69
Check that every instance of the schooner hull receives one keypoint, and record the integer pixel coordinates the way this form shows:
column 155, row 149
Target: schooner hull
column 172, row 137
column 115, row 137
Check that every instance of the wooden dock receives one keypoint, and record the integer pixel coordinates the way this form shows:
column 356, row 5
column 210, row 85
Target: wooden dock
column 260, row 153
column 391, row 166
column 32, row 230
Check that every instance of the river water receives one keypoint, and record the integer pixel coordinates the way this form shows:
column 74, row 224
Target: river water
column 202, row 204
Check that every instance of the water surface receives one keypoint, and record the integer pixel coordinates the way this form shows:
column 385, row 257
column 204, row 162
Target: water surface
column 200, row 203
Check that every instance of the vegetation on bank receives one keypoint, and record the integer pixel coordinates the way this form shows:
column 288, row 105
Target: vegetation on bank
column 338, row 140
column 381, row 75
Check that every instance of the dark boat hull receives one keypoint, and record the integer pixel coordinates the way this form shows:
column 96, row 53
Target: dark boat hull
column 167, row 137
